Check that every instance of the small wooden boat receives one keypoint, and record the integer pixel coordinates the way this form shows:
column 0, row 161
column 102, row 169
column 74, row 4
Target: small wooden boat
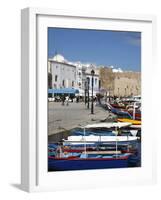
column 135, row 127
column 93, row 138
column 132, row 121
column 99, row 139
column 118, row 106
column 108, row 125
column 88, row 160
column 82, row 151
column 137, row 114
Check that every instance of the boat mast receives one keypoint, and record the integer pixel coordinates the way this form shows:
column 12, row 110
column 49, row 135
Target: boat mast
column 85, row 142
column 116, row 140
column 134, row 110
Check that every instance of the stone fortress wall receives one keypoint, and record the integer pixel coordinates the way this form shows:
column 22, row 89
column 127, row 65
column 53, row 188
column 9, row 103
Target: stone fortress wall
column 120, row 83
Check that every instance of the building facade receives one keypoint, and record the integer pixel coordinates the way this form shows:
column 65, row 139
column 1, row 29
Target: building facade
column 120, row 84
column 96, row 80
column 80, row 78
column 107, row 80
column 63, row 74
column 127, row 84
column 114, row 82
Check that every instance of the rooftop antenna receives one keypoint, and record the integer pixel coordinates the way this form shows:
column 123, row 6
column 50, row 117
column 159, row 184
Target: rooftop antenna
column 56, row 53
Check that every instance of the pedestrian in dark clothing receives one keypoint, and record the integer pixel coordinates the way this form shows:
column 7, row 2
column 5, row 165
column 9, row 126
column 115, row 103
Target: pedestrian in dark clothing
column 63, row 100
column 77, row 99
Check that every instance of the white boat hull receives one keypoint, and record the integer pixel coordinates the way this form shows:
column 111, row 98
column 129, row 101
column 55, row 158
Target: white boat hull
column 92, row 138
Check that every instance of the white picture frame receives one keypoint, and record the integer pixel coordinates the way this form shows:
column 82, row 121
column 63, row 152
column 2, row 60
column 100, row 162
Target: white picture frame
column 34, row 176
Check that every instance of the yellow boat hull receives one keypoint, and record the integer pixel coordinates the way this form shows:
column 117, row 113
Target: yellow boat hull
column 134, row 122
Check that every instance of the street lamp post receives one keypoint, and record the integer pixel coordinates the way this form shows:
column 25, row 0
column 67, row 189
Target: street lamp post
column 88, row 92
column 109, row 94
column 85, row 92
column 106, row 97
column 92, row 108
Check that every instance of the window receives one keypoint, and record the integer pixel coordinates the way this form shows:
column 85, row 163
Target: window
column 88, row 80
column 55, row 86
column 56, row 78
column 99, row 84
column 95, row 81
column 49, row 80
column 63, row 83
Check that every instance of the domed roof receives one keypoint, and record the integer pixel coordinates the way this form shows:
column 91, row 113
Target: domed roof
column 59, row 58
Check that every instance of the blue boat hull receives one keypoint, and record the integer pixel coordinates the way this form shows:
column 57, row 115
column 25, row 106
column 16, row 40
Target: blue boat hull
column 82, row 164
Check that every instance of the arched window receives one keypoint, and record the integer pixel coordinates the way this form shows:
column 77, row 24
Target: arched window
column 88, row 80
column 95, row 81
column 63, row 83
column 56, row 78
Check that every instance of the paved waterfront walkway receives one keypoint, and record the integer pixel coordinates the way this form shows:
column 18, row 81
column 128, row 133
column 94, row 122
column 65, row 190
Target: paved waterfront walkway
column 63, row 118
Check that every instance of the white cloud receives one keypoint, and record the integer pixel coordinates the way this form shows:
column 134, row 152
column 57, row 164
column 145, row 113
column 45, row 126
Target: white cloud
column 117, row 70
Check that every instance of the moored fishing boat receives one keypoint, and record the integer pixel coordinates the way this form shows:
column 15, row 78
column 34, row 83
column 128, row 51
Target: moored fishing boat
column 93, row 151
column 124, row 148
column 88, row 160
column 96, row 136
column 99, row 139
column 137, row 114
column 118, row 106
column 132, row 121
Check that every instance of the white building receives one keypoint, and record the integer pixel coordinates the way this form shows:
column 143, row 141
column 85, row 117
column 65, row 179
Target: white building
column 67, row 74
column 96, row 80
column 80, row 78
column 63, row 74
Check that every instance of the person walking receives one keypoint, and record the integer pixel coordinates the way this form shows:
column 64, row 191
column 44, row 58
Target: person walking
column 67, row 100
column 77, row 99
column 63, row 100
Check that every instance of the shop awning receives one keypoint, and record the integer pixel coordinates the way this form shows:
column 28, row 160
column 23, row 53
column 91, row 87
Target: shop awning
column 63, row 91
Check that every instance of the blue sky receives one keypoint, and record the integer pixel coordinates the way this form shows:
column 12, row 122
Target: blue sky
column 118, row 48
